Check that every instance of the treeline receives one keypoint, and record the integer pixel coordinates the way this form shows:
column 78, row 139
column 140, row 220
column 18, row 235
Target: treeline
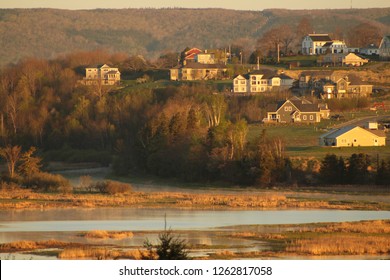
column 357, row 169
column 151, row 32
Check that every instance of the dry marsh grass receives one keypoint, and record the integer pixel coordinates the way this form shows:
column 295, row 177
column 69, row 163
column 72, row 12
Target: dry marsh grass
column 103, row 234
column 26, row 245
column 22, row 199
column 98, row 254
column 368, row 227
column 342, row 245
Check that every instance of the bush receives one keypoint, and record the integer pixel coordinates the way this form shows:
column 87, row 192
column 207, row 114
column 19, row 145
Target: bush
column 48, row 182
column 112, row 187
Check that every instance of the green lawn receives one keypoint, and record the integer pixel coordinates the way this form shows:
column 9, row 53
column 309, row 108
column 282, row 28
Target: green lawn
column 302, row 141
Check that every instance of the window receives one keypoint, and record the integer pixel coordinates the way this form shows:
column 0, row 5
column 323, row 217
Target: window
column 236, row 82
column 304, row 117
column 288, row 109
column 311, row 117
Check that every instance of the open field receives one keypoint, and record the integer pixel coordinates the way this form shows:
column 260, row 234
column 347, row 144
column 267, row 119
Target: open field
column 302, row 140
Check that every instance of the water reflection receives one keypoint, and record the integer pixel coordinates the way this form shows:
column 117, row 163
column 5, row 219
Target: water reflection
column 153, row 219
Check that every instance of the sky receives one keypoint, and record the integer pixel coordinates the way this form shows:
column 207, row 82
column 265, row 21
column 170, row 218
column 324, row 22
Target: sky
column 227, row 4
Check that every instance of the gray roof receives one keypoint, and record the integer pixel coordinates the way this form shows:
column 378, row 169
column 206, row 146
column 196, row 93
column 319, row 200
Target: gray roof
column 338, row 132
column 304, row 105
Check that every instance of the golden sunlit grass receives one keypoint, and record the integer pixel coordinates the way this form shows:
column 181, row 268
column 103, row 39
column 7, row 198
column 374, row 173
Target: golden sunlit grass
column 98, row 254
column 342, row 245
column 103, row 234
column 22, row 199
column 25, row 245
column 369, row 227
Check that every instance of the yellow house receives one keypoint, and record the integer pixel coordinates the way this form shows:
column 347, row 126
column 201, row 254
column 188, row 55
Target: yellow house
column 353, row 136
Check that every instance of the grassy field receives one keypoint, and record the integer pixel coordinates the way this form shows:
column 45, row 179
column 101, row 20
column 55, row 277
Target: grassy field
column 302, row 140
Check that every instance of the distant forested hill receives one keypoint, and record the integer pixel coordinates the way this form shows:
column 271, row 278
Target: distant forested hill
column 151, row 32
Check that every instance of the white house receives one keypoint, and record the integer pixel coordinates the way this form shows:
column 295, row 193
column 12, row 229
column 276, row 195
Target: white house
column 313, row 43
column 384, row 47
column 336, row 46
column 261, row 81
column 103, row 74
column 240, row 84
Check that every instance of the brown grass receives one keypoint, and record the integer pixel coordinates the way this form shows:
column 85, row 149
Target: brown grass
column 342, row 245
column 25, row 245
column 367, row 227
column 103, row 234
column 21, row 199
column 98, row 254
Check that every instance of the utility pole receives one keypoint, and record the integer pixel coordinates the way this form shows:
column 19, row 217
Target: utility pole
column 258, row 63
column 278, row 49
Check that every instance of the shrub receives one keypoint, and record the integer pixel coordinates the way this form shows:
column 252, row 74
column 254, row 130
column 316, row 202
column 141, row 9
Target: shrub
column 112, row 187
column 48, row 182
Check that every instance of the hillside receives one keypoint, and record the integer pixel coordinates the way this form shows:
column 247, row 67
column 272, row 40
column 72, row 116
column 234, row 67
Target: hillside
column 150, row 32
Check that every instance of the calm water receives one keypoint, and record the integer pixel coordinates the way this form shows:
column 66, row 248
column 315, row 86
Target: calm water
column 153, row 219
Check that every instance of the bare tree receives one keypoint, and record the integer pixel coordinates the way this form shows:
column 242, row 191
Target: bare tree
column 12, row 155
column 364, row 34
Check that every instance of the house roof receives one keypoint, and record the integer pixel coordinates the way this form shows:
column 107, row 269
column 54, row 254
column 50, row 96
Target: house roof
column 267, row 74
column 193, row 51
column 197, row 65
column 355, row 56
column 113, row 72
column 239, row 76
column 328, row 44
column 320, row 37
column 354, row 80
column 338, row 132
column 285, row 77
column 302, row 104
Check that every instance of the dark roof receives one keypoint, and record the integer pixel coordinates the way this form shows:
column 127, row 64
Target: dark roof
column 304, row 105
column 285, row 77
column 320, row 37
column 267, row 74
column 354, row 80
column 197, row 65
column 328, row 44
column 112, row 72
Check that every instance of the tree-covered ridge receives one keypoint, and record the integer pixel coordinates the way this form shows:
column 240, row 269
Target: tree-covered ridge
column 46, row 33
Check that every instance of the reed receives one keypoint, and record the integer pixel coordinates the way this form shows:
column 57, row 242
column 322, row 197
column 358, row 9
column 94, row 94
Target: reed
column 98, row 254
column 103, row 234
column 341, row 245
